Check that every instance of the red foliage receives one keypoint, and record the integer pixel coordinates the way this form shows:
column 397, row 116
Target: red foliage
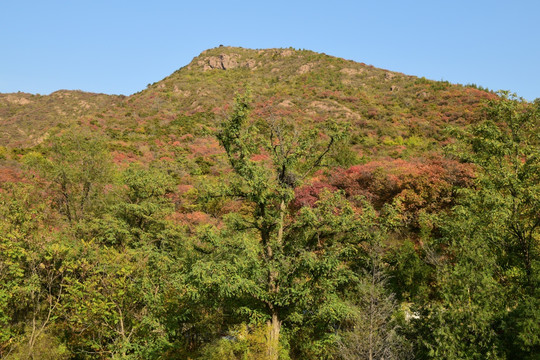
column 259, row 157
column 181, row 189
column 187, row 137
column 193, row 219
column 308, row 195
column 9, row 175
column 372, row 113
column 121, row 157
column 204, row 147
column 231, row 206
column 197, row 218
column 414, row 185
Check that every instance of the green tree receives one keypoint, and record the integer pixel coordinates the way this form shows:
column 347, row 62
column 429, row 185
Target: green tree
column 30, row 280
column 488, row 306
column 271, row 263
column 123, row 269
column 111, row 302
column 146, row 205
column 79, row 167
column 137, row 216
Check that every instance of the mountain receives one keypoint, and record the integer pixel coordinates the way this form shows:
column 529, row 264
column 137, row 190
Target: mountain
column 387, row 110
column 396, row 123
column 330, row 211
column 25, row 119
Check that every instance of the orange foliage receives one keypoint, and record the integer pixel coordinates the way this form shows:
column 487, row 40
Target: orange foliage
column 181, row 189
column 205, row 147
column 259, row 157
column 193, row 219
column 413, row 185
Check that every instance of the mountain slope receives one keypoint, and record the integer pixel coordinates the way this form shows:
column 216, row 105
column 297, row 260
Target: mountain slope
column 387, row 110
column 26, row 118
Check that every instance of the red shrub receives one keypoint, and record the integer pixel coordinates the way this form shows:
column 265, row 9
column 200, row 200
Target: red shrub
column 414, row 185
column 308, row 195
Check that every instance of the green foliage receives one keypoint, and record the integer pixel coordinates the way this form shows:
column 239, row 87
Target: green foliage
column 45, row 347
column 79, row 167
column 30, row 285
column 271, row 264
column 146, row 202
column 373, row 329
column 105, row 305
column 490, row 277
column 4, row 152
column 409, row 274
column 162, row 242
column 344, row 156
column 138, row 216
column 242, row 343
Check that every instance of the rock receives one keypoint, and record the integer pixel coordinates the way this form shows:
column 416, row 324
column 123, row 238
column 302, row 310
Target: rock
column 225, row 62
column 287, row 52
column 250, row 64
column 17, row 100
column 351, row 71
column 305, row 68
column 389, row 76
column 180, row 92
column 286, row 103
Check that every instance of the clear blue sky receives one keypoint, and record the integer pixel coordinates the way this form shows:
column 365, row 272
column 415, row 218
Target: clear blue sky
column 119, row 46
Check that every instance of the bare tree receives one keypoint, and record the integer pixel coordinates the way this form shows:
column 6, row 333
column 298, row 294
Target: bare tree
column 373, row 332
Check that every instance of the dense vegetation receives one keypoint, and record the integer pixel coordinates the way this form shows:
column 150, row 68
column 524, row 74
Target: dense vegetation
column 271, row 204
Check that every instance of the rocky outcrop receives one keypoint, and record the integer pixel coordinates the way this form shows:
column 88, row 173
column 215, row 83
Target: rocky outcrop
column 351, row 71
column 17, row 100
column 225, row 62
column 306, row 68
column 389, row 76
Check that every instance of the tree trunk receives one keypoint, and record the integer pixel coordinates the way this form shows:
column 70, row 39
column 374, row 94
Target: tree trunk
column 274, row 324
column 274, row 327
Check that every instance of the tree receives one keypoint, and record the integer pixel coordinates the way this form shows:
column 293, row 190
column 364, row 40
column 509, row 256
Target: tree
column 111, row 302
column 507, row 149
column 79, row 167
column 30, row 283
column 488, row 305
column 373, row 331
column 272, row 263
column 138, row 216
column 122, row 267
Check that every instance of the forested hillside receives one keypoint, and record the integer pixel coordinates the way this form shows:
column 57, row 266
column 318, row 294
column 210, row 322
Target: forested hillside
column 271, row 204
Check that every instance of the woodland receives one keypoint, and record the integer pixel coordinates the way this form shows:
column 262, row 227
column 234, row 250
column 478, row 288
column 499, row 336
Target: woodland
column 271, row 204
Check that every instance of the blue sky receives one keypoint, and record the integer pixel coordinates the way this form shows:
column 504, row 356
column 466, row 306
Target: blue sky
column 119, row 46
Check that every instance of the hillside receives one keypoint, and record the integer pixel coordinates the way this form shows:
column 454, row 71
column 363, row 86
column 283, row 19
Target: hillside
column 25, row 119
column 273, row 204
column 395, row 122
column 388, row 111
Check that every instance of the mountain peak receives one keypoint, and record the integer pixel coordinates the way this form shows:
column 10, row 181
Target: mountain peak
column 307, row 86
